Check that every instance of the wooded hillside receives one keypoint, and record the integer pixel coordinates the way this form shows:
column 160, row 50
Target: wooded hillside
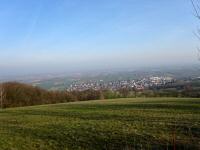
column 14, row 94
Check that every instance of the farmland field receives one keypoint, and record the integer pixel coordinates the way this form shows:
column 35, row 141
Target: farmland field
column 151, row 123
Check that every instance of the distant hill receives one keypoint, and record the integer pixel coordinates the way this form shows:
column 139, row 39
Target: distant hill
column 19, row 94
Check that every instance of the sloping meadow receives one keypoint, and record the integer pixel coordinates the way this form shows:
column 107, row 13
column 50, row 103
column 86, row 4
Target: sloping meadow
column 157, row 123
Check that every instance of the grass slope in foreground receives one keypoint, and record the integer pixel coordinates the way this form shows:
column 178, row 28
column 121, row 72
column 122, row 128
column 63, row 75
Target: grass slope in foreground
column 157, row 123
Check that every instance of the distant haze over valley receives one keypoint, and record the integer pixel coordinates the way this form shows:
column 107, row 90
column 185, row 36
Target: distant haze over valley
column 63, row 80
column 76, row 36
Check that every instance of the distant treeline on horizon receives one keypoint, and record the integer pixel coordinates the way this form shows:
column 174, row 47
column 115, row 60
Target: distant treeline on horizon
column 14, row 94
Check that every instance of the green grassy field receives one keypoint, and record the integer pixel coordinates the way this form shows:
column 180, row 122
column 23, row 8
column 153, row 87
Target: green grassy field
column 157, row 123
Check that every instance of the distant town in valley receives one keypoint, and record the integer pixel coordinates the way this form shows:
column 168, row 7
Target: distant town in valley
column 179, row 78
column 142, row 84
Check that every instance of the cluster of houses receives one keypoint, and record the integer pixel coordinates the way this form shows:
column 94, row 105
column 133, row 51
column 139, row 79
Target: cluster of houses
column 141, row 84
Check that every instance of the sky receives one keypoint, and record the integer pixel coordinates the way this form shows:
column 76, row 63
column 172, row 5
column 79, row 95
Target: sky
column 38, row 36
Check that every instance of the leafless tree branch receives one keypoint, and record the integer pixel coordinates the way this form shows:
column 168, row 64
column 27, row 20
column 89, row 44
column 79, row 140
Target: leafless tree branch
column 196, row 7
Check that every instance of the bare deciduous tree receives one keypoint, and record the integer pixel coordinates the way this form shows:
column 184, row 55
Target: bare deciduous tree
column 196, row 7
column 2, row 95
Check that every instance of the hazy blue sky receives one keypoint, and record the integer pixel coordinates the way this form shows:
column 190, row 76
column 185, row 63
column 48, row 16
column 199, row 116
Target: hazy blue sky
column 63, row 35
